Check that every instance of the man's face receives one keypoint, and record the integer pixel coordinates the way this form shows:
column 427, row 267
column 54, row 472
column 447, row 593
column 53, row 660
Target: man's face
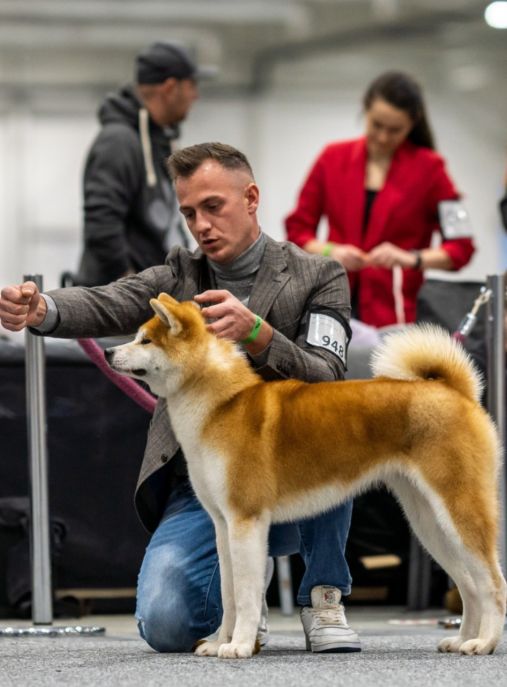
column 220, row 207
column 179, row 96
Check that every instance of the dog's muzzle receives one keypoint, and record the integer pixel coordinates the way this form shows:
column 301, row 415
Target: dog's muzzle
column 109, row 355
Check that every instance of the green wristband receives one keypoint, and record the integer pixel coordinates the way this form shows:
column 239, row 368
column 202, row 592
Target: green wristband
column 326, row 251
column 254, row 333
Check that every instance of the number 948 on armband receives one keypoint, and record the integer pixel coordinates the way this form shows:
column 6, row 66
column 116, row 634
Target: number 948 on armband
column 326, row 331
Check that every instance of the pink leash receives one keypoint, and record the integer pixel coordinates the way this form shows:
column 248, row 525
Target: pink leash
column 148, row 402
column 127, row 385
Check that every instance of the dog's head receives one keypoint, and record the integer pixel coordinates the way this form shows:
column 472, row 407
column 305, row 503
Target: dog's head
column 167, row 349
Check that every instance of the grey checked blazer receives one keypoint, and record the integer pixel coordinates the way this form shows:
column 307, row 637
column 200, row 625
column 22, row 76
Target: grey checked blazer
column 289, row 285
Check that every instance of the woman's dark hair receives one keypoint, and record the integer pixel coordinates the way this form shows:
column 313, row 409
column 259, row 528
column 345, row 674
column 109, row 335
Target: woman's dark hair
column 402, row 91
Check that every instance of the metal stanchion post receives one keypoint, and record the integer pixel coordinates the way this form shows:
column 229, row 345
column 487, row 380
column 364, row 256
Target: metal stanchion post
column 40, row 547
column 35, row 371
column 284, row 585
column 495, row 341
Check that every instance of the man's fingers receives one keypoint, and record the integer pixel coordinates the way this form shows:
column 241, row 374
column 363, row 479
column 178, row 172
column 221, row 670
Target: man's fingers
column 19, row 294
column 28, row 289
column 14, row 319
column 13, row 323
column 14, row 308
column 212, row 295
column 214, row 311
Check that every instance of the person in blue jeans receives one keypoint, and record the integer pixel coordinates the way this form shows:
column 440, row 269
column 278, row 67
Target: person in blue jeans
column 182, row 557
column 289, row 312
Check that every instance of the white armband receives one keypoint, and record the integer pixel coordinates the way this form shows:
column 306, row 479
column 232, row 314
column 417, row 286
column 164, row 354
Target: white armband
column 454, row 220
column 327, row 332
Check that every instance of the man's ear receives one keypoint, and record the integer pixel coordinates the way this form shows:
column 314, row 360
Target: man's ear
column 169, row 86
column 252, row 197
column 166, row 316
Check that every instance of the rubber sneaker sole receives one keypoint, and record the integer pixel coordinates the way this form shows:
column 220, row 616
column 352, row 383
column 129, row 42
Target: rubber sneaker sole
column 333, row 648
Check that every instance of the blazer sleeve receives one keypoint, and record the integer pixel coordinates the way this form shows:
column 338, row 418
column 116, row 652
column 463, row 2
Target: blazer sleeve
column 460, row 250
column 297, row 359
column 301, row 224
column 117, row 309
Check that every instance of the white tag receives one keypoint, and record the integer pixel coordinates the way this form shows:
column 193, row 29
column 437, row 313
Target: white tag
column 454, row 220
column 326, row 332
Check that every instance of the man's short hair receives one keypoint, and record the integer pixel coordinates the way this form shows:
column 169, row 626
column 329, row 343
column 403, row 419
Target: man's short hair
column 184, row 162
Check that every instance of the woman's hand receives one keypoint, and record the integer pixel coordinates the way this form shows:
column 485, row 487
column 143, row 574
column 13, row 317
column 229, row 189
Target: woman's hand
column 388, row 255
column 351, row 257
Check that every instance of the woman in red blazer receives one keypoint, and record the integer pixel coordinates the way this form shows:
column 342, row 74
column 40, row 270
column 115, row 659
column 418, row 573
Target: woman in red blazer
column 384, row 195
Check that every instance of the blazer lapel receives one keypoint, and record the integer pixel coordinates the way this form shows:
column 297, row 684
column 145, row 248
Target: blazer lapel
column 271, row 278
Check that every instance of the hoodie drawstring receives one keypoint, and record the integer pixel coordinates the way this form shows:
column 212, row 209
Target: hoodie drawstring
column 151, row 177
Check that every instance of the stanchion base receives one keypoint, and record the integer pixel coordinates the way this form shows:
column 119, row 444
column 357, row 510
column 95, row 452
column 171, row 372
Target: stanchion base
column 52, row 631
column 451, row 623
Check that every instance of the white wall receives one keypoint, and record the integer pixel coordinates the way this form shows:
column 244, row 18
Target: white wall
column 42, row 150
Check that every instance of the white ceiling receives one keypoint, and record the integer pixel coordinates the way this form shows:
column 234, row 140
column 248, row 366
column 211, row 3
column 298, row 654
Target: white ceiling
column 88, row 42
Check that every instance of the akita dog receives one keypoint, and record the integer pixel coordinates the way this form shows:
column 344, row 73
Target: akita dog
column 261, row 452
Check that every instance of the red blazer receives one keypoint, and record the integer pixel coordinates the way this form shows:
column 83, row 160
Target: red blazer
column 405, row 212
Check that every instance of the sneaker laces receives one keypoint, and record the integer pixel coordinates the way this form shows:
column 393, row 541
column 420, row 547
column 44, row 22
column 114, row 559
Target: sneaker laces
column 330, row 616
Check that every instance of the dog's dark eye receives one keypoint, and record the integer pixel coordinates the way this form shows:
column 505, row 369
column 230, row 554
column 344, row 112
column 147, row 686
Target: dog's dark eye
column 145, row 341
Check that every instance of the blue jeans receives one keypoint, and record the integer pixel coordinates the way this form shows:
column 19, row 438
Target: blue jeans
column 178, row 593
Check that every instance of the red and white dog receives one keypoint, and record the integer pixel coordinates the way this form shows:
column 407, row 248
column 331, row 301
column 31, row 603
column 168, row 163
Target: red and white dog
column 261, row 452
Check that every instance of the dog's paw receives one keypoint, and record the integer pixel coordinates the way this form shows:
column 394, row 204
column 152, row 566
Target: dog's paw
column 236, row 650
column 450, row 644
column 477, row 647
column 205, row 647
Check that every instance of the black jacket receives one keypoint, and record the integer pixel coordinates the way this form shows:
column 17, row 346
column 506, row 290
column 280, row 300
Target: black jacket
column 131, row 216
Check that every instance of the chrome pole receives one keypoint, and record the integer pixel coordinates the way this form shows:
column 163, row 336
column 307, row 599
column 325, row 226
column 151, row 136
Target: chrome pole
column 40, row 548
column 495, row 342
column 284, row 585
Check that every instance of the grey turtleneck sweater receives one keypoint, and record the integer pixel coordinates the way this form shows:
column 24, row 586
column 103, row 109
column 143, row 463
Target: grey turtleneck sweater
column 239, row 275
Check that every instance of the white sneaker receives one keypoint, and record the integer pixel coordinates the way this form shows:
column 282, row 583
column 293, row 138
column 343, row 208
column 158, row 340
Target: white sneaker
column 325, row 624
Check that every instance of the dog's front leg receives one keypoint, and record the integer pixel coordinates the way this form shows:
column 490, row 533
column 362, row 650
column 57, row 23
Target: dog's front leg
column 210, row 647
column 248, row 551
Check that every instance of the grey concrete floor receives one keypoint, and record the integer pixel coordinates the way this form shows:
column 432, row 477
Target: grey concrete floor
column 399, row 649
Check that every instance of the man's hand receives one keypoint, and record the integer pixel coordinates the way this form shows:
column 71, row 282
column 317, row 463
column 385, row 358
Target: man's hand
column 21, row 306
column 230, row 319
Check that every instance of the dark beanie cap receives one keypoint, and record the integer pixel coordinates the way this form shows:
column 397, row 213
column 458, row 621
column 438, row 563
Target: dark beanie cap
column 162, row 61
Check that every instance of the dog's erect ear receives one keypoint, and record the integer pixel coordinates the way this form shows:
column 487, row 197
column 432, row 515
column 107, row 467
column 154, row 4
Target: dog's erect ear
column 166, row 316
column 167, row 299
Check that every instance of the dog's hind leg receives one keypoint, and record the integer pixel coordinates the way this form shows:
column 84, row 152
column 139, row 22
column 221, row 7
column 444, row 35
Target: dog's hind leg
column 248, row 550
column 477, row 581
column 210, row 647
column 492, row 597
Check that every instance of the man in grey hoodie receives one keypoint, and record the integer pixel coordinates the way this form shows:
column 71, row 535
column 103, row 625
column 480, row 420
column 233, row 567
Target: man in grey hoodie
column 131, row 217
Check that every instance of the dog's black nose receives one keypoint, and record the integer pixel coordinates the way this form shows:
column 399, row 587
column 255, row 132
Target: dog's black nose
column 108, row 353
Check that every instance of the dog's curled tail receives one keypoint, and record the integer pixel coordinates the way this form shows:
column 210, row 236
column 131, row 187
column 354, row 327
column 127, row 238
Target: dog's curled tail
column 427, row 351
